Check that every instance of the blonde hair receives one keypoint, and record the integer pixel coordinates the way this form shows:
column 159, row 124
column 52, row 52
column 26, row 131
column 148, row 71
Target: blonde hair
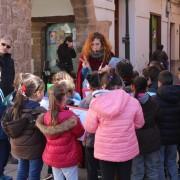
column 70, row 86
column 56, row 94
column 61, row 75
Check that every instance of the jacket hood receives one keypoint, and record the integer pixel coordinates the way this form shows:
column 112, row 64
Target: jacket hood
column 110, row 104
column 170, row 93
column 57, row 129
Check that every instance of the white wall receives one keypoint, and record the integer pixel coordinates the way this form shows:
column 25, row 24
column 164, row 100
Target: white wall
column 175, row 18
column 122, row 24
column 139, row 17
column 44, row 8
column 143, row 10
column 104, row 11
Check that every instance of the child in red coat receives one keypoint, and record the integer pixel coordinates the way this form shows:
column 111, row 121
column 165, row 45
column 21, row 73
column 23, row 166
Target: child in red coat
column 62, row 151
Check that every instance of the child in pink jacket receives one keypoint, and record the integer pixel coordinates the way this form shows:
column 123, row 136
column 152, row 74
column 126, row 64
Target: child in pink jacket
column 113, row 117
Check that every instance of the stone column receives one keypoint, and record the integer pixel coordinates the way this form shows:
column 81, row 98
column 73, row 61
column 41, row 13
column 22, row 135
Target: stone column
column 85, row 21
column 15, row 21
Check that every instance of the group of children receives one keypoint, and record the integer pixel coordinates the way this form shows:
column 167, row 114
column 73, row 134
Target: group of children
column 50, row 134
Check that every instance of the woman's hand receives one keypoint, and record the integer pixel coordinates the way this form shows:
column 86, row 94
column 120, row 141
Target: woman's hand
column 85, row 62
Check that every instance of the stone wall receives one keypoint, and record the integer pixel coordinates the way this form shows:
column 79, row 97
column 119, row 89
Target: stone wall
column 15, row 21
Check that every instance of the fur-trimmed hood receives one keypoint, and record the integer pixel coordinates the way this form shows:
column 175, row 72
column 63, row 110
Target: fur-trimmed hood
column 57, row 129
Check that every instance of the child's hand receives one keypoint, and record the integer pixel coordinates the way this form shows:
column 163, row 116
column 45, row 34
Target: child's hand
column 104, row 69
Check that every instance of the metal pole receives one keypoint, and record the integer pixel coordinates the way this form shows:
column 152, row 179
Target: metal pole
column 127, row 42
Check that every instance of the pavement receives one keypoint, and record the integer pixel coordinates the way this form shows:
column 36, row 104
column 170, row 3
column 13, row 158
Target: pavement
column 10, row 170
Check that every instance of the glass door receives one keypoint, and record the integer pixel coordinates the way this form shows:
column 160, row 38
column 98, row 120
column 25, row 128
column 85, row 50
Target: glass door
column 155, row 32
column 55, row 35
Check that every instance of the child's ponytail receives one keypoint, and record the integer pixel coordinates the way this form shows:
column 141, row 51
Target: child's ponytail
column 56, row 94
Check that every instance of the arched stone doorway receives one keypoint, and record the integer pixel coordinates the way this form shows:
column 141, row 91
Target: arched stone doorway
column 83, row 15
column 86, row 22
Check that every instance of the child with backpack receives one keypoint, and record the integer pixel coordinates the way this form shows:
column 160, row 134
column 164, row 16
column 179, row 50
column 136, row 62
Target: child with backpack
column 62, row 151
column 27, row 142
column 147, row 163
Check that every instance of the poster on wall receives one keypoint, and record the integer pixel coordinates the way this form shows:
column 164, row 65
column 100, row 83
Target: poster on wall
column 52, row 37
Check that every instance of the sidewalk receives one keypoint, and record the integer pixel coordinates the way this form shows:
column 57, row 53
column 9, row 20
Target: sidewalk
column 11, row 171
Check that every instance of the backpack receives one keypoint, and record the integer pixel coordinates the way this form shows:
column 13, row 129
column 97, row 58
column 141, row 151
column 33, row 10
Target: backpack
column 15, row 127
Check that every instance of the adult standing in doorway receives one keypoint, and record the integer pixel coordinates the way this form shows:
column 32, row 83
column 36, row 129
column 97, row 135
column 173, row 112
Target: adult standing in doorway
column 160, row 56
column 65, row 54
column 7, row 71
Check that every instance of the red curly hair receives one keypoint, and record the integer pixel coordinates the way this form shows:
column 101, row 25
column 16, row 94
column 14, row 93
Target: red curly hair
column 86, row 50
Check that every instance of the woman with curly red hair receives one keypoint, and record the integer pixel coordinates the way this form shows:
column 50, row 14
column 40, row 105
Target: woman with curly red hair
column 96, row 54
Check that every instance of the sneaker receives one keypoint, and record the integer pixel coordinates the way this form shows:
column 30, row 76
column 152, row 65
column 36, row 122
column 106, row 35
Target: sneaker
column 3, row 177
column 48, row 177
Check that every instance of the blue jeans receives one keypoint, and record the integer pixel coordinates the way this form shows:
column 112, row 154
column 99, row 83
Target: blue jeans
column 146, row 166
column 70, row 173
column 168, row 157
column 29, row 169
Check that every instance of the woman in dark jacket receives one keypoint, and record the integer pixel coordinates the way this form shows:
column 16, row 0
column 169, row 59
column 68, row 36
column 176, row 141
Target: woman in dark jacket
column 65, row 54
column 146, row 164
column 7, row 71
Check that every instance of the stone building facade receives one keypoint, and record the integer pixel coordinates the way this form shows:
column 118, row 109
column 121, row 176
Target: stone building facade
column 151, row 22
column 27, row 22
column 87, row 15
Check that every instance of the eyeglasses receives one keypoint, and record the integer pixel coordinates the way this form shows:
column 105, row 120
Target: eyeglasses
column 7, row 46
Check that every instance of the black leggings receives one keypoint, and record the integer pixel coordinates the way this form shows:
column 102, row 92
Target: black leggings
column 111, row 169
column 92, row 164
